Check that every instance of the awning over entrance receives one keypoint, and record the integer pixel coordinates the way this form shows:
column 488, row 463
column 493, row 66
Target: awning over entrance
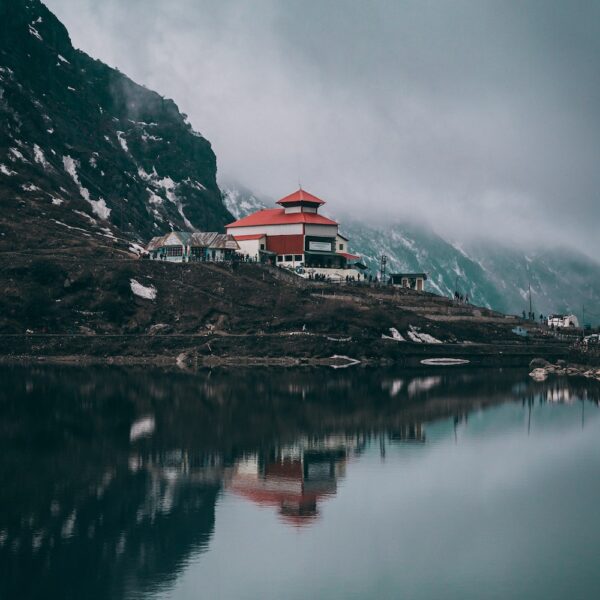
column 348, row 256
column 314, row 258
column 317, row 253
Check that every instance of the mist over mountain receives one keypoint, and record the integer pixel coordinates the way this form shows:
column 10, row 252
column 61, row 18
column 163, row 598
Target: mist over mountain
column 479, row 118
column 493, row 275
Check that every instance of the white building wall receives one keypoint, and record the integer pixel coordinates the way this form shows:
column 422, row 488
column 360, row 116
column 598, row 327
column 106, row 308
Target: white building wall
column 563, row 321
column 250, row 247
column 287, row 229
column 321, row 230
column 290, row 263
column 296, row 209
column 341, row 245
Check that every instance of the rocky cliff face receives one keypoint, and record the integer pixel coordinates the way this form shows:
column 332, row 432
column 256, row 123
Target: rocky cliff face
column 83, row 144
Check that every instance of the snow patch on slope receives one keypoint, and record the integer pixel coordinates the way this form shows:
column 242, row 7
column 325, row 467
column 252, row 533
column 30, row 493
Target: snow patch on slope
column 394, row 335
column 38, row 155
column 16, row 154
column 34, row 32
column 169, row 187
column 143, row 291
column 241, row 205
column 421, row 338
column 98, row 206
column 6, row 171
column 122, row 141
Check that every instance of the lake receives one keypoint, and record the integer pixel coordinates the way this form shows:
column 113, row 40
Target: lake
column 291, row 484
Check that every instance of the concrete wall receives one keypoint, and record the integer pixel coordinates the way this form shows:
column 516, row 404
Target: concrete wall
column 321, row 230
column 340, row 241
column 250, row 247
column 287, row 229
column 296, row 209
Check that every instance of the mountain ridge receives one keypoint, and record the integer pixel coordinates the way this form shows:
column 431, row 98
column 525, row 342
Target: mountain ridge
column 82, row 136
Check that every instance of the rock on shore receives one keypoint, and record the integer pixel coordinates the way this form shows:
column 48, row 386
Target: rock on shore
column 541, row 369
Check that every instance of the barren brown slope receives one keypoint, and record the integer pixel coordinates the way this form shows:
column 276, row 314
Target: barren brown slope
column 72, row 296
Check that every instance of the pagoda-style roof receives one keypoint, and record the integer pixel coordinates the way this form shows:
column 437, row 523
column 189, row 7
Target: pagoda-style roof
column 277, row 216
column 301, row 196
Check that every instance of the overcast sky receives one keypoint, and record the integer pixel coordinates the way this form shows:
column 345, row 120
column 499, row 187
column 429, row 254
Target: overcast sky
column 481, row 117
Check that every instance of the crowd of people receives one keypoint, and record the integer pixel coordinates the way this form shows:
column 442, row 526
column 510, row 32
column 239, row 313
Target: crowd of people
column 461, row 298
column 530, row 316
column 319, row 277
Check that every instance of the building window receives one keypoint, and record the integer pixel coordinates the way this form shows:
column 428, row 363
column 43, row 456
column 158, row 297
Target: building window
column 298, row 257
column 341, row 246
column 262, row 246
column 289, row 258
column 174, row 250
column 279, row 258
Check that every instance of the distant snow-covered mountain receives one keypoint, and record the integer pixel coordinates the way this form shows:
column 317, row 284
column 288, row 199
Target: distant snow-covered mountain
column 493, row 275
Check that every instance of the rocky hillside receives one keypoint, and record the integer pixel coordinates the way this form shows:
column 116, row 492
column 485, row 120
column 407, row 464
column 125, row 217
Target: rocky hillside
column 493, row 275
column 82, row 144
column 91, row 162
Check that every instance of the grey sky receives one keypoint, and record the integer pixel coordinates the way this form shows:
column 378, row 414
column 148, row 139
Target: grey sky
column 482, row 117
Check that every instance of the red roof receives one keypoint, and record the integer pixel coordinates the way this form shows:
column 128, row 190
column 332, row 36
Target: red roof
column 344, row 254
column 254, row 236
column 277, row 216
column 300, row 196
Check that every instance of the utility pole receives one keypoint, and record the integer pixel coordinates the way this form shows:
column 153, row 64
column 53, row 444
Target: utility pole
column 383, row 266
column 530, row 304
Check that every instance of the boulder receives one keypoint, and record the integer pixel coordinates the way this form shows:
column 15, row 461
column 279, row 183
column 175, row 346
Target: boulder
column 539, row 363
column 159, row 328
column 539, row 374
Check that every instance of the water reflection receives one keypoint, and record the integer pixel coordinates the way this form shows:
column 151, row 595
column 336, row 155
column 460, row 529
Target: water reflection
column 295, row 479
column 110, row 478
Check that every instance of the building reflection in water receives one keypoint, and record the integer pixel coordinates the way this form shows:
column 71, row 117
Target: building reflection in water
column 109, row 483
column 295, row 479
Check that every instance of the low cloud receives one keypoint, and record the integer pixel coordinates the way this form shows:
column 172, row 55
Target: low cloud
column 481, row 118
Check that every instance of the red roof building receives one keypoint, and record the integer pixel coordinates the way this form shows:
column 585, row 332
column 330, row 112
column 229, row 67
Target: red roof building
column 295, row 235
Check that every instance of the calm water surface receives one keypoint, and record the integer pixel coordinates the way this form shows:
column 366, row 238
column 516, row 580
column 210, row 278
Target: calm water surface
column 269, row 484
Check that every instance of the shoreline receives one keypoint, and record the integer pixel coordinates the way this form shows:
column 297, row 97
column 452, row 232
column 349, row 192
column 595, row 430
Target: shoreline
column 336, row 355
